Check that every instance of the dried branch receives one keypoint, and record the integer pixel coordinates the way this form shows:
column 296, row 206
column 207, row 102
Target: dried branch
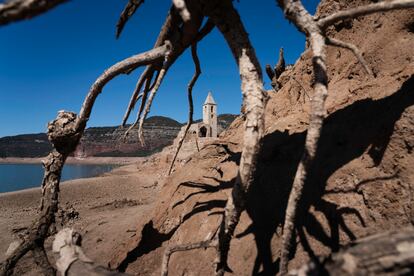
column 16, row 10
column 146, row 77
column 190, row 102
column 151, row 98
column 353, row 49
column 329, row 20
column 168, row 29
column 182, row 9
column 227, row 19
column 184, row 247
column 270, row 72
column 126, row 14
column 295, row 12
column 385, row 253
column 134, row 98
column 205, row 30
column 275, row 73
column 147, row 88
column 121, row 67
column 280, row 66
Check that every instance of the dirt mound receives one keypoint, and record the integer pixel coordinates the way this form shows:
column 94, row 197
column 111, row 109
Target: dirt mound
column 361, row 182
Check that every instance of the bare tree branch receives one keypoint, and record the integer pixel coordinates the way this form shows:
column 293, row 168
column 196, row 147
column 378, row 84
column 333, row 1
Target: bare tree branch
column 115, row 70
column 280, row 65
column 134, row 98
column 270, row 72
column 275, row 73
column 182, row 9
column 126, row 14
column 147, row 89
column 152, row 96
column 353, row 49
column 190, row 103
column 16, row 10
column 295, row 12
column 205, row 30
column 168, row 28
column 184, row 247
column 227, row 19
column 364, row 10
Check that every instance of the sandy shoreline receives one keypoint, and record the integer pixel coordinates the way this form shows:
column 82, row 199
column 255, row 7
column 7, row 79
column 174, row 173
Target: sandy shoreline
column 108, row 206
column 73, row 160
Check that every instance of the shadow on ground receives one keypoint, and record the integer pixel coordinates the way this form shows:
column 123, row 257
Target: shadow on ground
column 346, row 135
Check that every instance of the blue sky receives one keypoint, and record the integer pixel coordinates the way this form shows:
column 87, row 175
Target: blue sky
column 48, row 63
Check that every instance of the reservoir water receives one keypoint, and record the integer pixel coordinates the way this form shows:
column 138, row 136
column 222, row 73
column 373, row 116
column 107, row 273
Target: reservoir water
column 14, row 177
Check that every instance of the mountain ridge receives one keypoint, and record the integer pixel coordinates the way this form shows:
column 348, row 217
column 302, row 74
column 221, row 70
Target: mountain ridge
column 105, row 141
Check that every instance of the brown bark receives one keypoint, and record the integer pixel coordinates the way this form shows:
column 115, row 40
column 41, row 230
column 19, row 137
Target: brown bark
column 227, row 19
column 184, row 247
column 134, row 98
column 295, row 12
column 121, row 67
column 364, row 10
column 389, row 253
column 353, row 49
column 126, row 14
column 16, row 10
column 274, row 73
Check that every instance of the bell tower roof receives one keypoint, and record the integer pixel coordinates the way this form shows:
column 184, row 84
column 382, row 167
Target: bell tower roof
column 209, row 99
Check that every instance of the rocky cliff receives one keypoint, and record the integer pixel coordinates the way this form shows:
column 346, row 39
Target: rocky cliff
column 111, row 141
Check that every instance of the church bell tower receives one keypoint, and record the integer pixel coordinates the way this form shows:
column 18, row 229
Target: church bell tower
column 210, row 115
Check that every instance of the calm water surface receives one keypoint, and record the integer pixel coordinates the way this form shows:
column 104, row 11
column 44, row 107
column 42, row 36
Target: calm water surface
column 15, row 177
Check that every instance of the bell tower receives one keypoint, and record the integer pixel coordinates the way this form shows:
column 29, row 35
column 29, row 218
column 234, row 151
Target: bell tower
column 210, row 115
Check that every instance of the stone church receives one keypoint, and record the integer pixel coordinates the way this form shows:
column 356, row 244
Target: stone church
column 208, row 127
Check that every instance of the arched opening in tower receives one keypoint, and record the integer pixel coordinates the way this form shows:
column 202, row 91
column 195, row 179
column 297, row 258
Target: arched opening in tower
column 202, row 131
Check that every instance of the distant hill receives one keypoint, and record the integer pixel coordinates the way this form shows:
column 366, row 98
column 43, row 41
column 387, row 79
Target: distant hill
column 25, row 145
column 159, row 132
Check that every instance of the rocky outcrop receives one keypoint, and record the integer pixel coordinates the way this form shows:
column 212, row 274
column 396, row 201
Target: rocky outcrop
column 111, row 141
column 26, row 145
